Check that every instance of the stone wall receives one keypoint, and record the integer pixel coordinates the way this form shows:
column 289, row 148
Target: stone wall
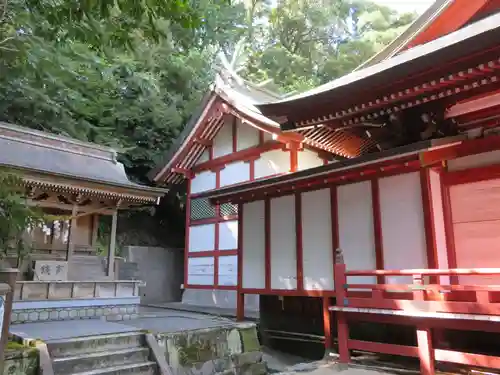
column 21, row 362
column 108, row 312
column 230, row 350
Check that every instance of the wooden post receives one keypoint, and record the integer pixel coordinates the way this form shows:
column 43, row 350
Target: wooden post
column 112, row 244
column 327, row 324
column 240, row 307
column 95, row 230
column 341, row 298
column 425, row 350
column 71, row 235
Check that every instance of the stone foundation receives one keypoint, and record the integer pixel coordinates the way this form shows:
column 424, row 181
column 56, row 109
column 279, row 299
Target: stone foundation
column 231, row 350
column 21, row 362
column 108, row 312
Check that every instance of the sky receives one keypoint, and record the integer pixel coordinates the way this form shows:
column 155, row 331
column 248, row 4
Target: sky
column 418, row 6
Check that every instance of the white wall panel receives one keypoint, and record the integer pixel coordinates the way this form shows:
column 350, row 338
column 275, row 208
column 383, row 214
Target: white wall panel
column 223, row 141
column 202, row 182
column 283, row 243
column 356, row 238
column 437, row 209
column 402, row 222
column 228, row 270
column 308, row 159
column 253, row 242
column 317, row 248
column 205, row 156
column 474, row 161
column 202, row 237
column 228, row 235
column 235, row 173
column 272, row 162
column 246, row 136
column 201, row 271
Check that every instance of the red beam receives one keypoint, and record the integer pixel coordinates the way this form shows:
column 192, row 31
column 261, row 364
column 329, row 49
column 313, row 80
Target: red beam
column 242, row 155
column 460, row 149
column 427, row 272
column 286, row 292
column 213, row 253
column 427, row 306
column 477, row 105
column 211, row 287
column 377, row 347
column 213, row 220
column 203, row 142
column 472, row 175
column 468, row 359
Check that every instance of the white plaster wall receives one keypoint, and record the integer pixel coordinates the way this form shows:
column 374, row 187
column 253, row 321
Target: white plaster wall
column 202, row 182
column 253, row 242
column 201, row 238
column 228, row 270
column 356, row 238
column 268, row 136
column 247, row 136
column 474, row 161
column 308, row 159
column 283, row 243
column 317, row 266
column 201, row 271
column 235, row 173
column 437, row 209
column 272, row 162
column 228, row 235
column 205, row 156
column 402, row 222
column 223, row 141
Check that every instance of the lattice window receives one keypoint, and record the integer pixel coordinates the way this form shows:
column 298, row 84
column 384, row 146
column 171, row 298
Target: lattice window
column 228, row 209
column 201, row 209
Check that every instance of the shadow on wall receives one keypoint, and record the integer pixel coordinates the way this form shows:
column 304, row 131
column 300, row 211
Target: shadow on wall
column 161, row 268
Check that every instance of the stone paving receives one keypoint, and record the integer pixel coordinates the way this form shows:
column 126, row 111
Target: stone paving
column 326, row 368
column 157, row 320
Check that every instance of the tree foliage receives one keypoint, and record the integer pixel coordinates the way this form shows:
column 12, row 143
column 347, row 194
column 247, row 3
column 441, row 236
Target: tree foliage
column 15, row 216
column 129, row 73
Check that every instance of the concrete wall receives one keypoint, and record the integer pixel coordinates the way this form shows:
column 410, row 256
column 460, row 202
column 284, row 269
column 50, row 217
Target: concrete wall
column 162, row 269
column 218, row 298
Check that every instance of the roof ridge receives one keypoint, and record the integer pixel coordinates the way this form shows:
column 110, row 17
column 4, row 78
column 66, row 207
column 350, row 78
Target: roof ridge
column 67, row 144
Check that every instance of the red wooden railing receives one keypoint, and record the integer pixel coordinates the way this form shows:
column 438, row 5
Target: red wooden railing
column 428, row 305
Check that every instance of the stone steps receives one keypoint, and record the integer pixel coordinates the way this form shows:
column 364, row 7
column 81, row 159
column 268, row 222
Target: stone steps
column 114, row 354
column 146, row 368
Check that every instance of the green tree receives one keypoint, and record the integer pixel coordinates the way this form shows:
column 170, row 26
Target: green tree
column 310, row 42
column 16, row 217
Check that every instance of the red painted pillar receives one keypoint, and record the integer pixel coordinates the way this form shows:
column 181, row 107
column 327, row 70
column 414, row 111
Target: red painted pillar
column 425, row 350
column 341, row 296
column 240, row 306
column 327, row 323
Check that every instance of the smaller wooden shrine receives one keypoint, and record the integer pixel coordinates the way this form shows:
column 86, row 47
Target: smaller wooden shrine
column 76, row 182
